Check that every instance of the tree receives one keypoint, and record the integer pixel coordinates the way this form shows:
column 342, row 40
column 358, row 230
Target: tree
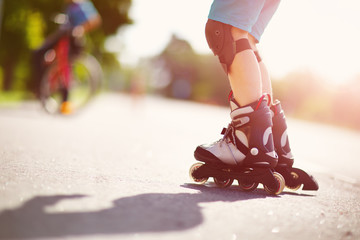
column 25, row 25
column 182, row 73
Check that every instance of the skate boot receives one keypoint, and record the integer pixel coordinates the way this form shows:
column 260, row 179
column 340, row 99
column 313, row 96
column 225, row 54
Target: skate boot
column 245, row 153
column 294, row 177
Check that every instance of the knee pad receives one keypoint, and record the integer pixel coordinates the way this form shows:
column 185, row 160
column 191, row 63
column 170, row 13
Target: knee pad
column 221, row 42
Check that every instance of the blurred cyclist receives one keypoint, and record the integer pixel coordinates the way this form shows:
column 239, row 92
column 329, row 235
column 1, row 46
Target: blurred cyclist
column 80, row 18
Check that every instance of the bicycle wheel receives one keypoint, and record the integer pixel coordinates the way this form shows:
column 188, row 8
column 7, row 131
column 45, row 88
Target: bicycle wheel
column 86, row 78
column 51, row 89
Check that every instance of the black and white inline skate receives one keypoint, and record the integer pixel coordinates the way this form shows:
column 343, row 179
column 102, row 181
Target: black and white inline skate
column 294, row 177
column 245, row 153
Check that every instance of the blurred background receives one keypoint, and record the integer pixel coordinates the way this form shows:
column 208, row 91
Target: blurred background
column 158, row 47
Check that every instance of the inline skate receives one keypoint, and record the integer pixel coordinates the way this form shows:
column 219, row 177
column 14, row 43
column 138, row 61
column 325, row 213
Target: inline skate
column 294, row 177
column 245, row 153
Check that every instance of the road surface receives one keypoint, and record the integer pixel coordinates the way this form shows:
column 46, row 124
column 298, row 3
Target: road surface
column 119, row 170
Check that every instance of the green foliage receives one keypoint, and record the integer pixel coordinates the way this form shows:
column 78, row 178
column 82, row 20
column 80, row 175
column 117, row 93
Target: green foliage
column 26, row 24
column 303, row 94
column 114, row 14
column 189, row 75
column 13, row 98
column 35, row 30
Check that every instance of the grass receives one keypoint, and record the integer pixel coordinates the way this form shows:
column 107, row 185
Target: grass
column 12, row 98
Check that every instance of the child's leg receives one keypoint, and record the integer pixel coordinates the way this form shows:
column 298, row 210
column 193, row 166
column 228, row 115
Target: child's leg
column 244, row 73
column 250, row 129
column 265, row 78
column 279, row 123
column 264, row 18
column 233, row 48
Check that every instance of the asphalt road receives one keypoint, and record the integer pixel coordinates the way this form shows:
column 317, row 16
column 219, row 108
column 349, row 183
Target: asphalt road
column 119, row 170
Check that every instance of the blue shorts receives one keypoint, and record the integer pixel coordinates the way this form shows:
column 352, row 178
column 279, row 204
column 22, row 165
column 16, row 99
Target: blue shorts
column 249, row 15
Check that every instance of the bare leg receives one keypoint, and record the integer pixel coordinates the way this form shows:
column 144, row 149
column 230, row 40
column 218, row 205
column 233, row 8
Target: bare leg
column 265, row 78
column 244, row 73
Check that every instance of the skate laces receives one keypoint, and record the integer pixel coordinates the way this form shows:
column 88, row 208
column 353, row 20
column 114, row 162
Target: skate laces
column 229, row 132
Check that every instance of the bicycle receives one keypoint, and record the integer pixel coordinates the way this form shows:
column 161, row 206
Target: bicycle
column 79, row 76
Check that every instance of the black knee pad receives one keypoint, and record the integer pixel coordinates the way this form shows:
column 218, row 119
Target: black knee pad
column 221, row 42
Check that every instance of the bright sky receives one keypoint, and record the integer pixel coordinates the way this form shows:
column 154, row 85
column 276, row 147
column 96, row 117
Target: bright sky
column 321, row 36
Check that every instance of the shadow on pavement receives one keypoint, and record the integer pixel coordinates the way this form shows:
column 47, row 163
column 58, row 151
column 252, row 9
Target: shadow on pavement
column 154, row 212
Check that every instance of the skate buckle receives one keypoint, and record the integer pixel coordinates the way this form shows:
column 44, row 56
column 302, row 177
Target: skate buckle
column 254, row 151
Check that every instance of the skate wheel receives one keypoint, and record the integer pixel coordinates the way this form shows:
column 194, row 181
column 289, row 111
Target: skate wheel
column 223, row 183
column 193, row 168
column 295, row 176
column 248, row 187
column 281, row 185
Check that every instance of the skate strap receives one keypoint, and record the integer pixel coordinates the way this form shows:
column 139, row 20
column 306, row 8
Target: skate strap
column 276, row 108
column 257, row 55
column 262, row 98
column 242, row 148
column 230, row 132
column 231, row 95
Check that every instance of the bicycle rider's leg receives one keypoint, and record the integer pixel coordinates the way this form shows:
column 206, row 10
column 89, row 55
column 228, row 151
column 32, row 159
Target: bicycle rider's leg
column 38, row 56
